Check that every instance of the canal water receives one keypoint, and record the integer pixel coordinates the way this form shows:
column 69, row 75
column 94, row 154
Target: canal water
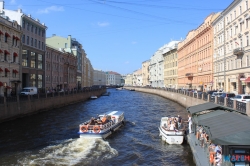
column 50, row 138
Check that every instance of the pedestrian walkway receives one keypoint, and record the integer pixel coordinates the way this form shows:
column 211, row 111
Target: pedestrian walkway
column 199, row 153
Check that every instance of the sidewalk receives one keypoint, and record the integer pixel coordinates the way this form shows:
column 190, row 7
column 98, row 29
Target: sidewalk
column 199, row 153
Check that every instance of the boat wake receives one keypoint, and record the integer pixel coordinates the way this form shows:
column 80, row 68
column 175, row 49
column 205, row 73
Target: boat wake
column 81, row 151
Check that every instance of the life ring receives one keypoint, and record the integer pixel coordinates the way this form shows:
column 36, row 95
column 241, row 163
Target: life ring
column 211, row 157
column 84, row 128
column 96, row 129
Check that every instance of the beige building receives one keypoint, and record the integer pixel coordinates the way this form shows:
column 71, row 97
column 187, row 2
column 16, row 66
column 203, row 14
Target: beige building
column 145, row 73
column 232, row 57
column 10, row 51
column 137, row 78
column 128, row 80
column 60, row 69
column 195, row 57
column 88, row 73
column 171, row 66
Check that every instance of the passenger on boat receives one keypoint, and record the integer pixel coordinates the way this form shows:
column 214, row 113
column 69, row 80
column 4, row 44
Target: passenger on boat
column 172, row 126
column 179, row 121
column 92, row 121
column 104, row 119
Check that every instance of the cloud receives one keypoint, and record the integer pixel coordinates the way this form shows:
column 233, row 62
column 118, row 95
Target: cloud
column 13, row 2
column 103, row 24
column 127, row 62
column 51, row 9
column 134, row 42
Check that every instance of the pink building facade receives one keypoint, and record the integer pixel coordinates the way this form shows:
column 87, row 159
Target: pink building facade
column 195, row 57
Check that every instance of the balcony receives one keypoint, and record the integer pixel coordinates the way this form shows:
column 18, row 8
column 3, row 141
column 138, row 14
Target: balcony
column 238, row 51
column 189, row 74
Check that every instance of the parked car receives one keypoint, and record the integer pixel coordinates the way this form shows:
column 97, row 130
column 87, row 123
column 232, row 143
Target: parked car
column 29, row 91
column 242, row 98
column 227, row 95
column 218, row 94
column 211, row 92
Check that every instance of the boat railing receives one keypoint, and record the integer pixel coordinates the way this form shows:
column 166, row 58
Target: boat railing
column 101, row 126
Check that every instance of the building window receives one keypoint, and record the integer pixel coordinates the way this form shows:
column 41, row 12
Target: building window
column 40, row 61
column 23, row 39
column 23, row 24
column 42, row 46
column 39, row 31
column 28, row 40
column 25, row 58
column 35, row 42
column 28, row 26
column 31, row 28
column 32, row 79
column 31, row 41
column 39, row 44
column 35, row 30
column 40, row 81
column 246, row 5
column 33, row 60
column 240, row 10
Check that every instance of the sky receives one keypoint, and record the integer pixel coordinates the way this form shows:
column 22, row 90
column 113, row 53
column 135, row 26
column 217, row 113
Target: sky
column 118, row 35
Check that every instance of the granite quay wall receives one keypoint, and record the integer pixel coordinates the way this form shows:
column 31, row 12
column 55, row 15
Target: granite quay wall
column 19, row 106
column 188, row 99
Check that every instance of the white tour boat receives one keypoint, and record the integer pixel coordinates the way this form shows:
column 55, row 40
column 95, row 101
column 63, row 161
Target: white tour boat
column 171, row 136
column 93, row 97
column 103, row 125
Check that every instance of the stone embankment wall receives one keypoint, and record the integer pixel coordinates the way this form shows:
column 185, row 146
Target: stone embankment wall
column 12, row 110
column 182, row 99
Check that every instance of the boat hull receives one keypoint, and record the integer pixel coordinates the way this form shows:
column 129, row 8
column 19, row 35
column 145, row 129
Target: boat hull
column 172, row 137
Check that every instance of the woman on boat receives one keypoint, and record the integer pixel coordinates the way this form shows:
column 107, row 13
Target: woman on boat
column 172, row 126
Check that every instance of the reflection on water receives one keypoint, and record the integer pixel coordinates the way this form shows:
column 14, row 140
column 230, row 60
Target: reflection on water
column 50, row 138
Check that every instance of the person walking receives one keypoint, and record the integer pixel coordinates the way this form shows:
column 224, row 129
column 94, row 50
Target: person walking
column 189, row 124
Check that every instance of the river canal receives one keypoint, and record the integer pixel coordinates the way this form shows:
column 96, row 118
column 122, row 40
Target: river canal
column 50, row 138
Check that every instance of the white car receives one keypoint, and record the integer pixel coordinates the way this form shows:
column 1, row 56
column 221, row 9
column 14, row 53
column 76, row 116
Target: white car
column 242, row 98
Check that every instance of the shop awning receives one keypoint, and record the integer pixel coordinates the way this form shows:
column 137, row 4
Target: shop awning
column 247, row 79
column 207, row 106
column 15, row 54
column 1, row 84
column 1, row 33
column 6, row 34
column 14, row 37
column 1, row 70
column 226, row 128
column 1, row 51
column 6, row 52
column 15, row 71
column 17, row 38
column 7, row 70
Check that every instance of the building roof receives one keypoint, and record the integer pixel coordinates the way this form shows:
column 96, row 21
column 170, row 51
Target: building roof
column 223, row 126
column 207, row 106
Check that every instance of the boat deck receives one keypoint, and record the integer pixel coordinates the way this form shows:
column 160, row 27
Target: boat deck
column 199, row 153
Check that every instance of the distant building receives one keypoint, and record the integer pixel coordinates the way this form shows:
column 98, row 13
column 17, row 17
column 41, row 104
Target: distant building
column 89, row 73
column 113, row 78
column 99, row 77
column 70, row 45
column 145, row 73
column 10, row 57
column 33, row 47
column 60, row 69
column 156, row 67
column 128, row 80
column 171, row 65
column 137, row 78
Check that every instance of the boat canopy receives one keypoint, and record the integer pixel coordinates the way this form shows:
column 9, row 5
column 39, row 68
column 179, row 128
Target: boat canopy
column 223, row 126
